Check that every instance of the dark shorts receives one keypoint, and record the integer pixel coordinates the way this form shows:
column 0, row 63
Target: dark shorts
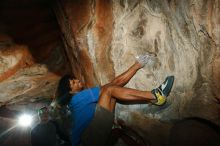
column 99, row 129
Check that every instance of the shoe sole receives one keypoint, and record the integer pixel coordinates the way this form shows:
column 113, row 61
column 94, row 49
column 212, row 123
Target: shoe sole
column 168, row 88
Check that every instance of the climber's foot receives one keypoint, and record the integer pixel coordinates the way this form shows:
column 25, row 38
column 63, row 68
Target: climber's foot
column 163, row 91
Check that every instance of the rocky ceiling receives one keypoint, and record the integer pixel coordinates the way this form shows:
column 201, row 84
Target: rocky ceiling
column 32, row 56
column 32, row 59
column 101, row 39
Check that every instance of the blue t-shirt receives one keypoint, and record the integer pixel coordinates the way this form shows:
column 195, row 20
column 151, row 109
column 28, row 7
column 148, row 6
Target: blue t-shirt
column 82, row 107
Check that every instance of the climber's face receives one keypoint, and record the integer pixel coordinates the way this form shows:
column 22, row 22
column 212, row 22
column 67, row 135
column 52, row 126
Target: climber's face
column 75, row 85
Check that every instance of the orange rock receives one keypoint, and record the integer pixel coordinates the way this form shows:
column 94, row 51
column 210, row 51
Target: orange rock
column 14, row 58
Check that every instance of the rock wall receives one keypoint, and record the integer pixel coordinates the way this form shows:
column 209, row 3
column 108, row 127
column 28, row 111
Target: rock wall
column 103, row 37
column 87, row 27
column 23, row 78
column 32, row 60
column 185, row 37
column 32, row 56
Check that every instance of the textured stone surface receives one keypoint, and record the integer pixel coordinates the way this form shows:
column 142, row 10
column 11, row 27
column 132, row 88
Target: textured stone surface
column 32, row 56
column 183, row 34
column 88, row 33
column 32, row 60
column 22, row 78
column 185, row 46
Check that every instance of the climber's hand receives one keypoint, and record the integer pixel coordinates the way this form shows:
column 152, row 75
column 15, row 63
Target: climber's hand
column 146, row 59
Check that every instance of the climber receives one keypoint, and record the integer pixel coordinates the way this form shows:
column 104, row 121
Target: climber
column 92, row 109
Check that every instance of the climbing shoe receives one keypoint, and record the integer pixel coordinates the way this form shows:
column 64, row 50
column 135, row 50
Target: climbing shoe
column 163, row 91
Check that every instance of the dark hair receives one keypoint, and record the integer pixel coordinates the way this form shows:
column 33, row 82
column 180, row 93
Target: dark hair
column 63, row 85
column 63, row 89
